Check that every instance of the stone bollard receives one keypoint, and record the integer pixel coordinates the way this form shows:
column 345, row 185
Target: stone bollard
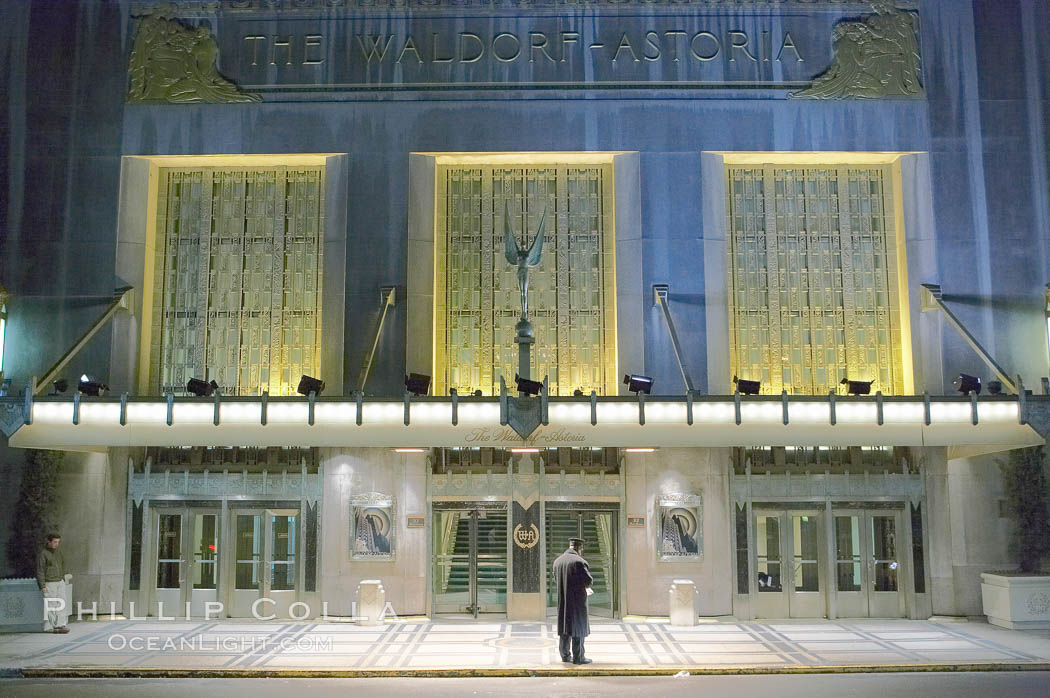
column 371, row 600
column 683, row 602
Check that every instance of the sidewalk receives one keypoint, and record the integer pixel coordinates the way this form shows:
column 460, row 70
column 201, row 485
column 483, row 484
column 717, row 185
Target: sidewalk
column 450, row 648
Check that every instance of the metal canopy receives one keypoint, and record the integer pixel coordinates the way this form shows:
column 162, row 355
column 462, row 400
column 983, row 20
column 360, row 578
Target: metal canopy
column 960, row 423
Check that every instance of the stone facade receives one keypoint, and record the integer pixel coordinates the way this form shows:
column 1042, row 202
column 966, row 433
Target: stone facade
column 973, row 187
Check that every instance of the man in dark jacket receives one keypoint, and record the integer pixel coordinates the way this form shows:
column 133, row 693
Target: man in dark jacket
column 52, row 578
column 574, row 580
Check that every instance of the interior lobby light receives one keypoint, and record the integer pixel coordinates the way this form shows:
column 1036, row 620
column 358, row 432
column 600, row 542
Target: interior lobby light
column 526, row 386
column 638, row 384
column 409, row 450
column 647, row 449
column 309, row 384
column 417, row 383
column 746, row 387
column 967, row 384
column 90, row 387
column 857, row 387
column 201, row 389
column 524, row 450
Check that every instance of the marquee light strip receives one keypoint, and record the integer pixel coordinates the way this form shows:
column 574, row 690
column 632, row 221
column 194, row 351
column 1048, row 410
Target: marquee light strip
column 191, row 411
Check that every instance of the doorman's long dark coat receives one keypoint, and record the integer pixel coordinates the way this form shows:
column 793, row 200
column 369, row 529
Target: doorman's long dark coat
column 573, row 575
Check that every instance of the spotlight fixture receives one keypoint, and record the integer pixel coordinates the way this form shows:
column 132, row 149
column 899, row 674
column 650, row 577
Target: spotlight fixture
column 417, row 384
column 60, row 386
column 995, row 387
column 90, row 387
column 857, row 387
column 577, row 393
column 638, row 384
column 309, row 384
column 746, row 387
column 477, row 393
column 526, row 386
column 967, row 384
column 200, row 388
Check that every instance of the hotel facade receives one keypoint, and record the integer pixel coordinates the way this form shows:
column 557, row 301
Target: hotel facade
column 794, row 193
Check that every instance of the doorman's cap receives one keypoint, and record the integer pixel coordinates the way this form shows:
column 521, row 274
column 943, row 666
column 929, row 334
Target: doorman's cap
column 581, row 541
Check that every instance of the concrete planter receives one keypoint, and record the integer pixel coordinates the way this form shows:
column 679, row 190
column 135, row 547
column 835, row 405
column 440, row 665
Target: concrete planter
column 21, row 606
column 1016, row 602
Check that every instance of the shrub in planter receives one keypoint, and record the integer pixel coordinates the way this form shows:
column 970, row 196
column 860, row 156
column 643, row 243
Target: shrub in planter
column 1021, row 599
column 1025, row 485
column 34, row 515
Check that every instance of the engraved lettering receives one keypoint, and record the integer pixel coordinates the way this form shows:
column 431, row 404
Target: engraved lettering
column 372, row 50
column 701, row 37
column 568, row 38
column 313, row 41
column 652, row 40
column 506, row 57
column 436, row 52
column 673, row 35
column 410, row 45
column 255, row 39
column 625, row 43
column 789, row 43
column 734, row 46
column 277, row 43
column 542, row 47
column 479, row 434
column 464, row 38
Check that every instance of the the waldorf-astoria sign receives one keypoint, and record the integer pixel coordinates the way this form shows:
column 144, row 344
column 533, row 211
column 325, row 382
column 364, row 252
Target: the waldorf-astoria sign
column 228, row 53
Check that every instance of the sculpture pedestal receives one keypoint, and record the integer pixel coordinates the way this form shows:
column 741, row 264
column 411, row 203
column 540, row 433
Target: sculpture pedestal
column 524, row 338
column 371, row 600
column 683, row 602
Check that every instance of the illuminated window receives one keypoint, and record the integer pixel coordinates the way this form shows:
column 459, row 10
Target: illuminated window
column 3, row 327
column 237, row 278
column 813, row 275
column 571, row 293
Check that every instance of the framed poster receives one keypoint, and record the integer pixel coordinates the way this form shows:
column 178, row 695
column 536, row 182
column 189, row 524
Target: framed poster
column 679, row 529
column 372, row 527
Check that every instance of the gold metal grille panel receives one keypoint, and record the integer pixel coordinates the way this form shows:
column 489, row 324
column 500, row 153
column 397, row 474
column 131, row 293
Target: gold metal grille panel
column 237, row 280
column 813, row 277
column 571, row 293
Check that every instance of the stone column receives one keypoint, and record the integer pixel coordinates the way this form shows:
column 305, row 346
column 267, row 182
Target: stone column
column 524, row 595
column 938, row 519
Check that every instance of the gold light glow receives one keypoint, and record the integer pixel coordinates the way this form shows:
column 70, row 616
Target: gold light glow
column 447, row 365
column 895, row 305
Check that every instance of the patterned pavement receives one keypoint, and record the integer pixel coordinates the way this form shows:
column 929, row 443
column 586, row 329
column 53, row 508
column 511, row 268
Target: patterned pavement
column 420, row 644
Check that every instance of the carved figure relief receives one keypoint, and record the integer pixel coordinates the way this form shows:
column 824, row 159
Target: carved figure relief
column 372, row 520
column 680, row 532
column 875, row 57
column 171, row 62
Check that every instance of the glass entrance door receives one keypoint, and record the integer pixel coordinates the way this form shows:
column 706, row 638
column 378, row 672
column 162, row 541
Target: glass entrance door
column 789, row 564
column 598, row 530
column 867, row 564
column 186, row 555
column 265, row 563
column 470, row 560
